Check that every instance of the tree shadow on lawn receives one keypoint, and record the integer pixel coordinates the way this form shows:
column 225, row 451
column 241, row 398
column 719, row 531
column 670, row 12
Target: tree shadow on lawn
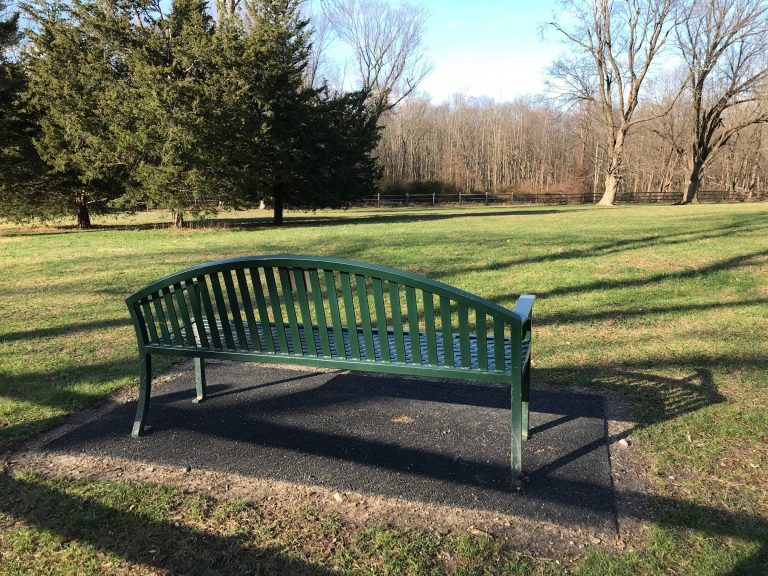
column 619, row 283
column 155, row 544
column 162, row 545
column 57, row 390
column 66, row 329
column 418, row 214
column 615, row 247
column 619, row 314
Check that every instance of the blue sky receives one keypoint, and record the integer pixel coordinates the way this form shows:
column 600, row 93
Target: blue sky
column 488, row 47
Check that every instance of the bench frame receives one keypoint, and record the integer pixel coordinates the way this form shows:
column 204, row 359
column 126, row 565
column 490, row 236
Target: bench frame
column 181, row 305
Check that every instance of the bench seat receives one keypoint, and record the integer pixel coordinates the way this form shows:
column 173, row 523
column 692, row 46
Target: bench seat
column 250, row 346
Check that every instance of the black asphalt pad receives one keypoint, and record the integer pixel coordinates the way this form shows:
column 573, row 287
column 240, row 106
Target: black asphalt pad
column 444, row 442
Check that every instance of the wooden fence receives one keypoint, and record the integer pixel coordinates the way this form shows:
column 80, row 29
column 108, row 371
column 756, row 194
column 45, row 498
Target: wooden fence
column 557, row 198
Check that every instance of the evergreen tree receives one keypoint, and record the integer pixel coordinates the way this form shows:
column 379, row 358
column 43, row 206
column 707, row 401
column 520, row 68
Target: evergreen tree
column 316, row 148
column 187, row 118
column 11, row 85
column 170, row 109
column 277, row 48
column 74, row 75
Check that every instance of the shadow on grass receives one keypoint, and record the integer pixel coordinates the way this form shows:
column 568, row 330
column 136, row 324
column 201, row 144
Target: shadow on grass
column 65, row 390
column 616, row 247
column 403, row 215
column 620, row 314
column 159, row 545
column 67, row 329
column 647, row 280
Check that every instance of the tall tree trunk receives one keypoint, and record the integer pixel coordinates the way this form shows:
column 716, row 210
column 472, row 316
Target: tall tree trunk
column 83, row 216
column 611, row 187
column 278, row 198
column 612, row 177
column 691, row 193
column 178, row 218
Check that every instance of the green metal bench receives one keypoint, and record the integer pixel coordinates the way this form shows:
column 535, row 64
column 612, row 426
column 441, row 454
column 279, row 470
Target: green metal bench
column 333, row 313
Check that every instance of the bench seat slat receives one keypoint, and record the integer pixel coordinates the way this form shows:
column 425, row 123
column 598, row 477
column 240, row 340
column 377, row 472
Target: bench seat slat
column 420, row 342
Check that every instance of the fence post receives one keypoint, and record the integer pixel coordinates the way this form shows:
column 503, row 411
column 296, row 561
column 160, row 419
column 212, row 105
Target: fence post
column 433, row 197
column 378, row 199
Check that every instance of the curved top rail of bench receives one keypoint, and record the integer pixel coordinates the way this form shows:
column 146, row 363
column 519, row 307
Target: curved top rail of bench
column 334, row 264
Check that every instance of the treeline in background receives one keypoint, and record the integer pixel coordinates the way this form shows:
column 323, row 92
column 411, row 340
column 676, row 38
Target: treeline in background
column 531, row 150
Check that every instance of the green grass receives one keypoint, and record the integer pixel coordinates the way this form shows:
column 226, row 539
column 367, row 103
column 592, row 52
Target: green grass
column 667, row 305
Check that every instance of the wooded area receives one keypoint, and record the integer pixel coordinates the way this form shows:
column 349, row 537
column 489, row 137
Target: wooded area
column 529, row 147
column 109, row 105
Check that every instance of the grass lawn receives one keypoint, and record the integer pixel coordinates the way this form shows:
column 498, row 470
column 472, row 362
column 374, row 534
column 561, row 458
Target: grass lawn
column 666, row 305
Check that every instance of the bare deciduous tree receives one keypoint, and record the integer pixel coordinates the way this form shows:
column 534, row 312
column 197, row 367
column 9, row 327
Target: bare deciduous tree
column 614, row 43
column 388, row 46
column 725, row 46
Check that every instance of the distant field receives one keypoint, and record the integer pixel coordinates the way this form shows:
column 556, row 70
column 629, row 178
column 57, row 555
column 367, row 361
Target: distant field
column 666, row 305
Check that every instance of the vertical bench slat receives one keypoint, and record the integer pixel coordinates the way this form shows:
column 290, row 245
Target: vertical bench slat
column 466, row 359
column 498, row 344
column 333, row 306
column 149, row 320
column 447, row 330
column 349, row 309
column 414, row 332
column 205, row 297
column 174, row 320
column 248, row 309
column 194, row 300
column 234, row 307
column 274, row 302
column 429, row 325
column 397, row 320
column 482, row 341
column 381, row 319
column 218, row 296
column 161, row 317
column 261, row 304
column 306, row 317
column 290, row 310
column 322, row 324
column 365, row 316
column 189, row 333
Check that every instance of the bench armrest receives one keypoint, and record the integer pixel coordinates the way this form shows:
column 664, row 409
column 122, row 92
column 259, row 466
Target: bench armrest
column 524, row 307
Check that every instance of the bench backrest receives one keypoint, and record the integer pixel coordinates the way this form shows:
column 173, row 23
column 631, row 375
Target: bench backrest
column 225, row 305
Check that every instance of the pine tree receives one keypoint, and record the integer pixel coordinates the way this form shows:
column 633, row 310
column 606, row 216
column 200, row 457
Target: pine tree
column 278, row 52
column 11, row 85
column 316, row 148
column 186, row 122
column 74, row 75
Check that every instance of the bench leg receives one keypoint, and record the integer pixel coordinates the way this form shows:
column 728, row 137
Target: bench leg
column 526, row 394
column 517, row 430
column 199, row 380
column 145, row 388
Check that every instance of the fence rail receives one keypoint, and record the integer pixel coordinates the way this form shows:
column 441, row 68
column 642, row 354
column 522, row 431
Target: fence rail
column 666, row 197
